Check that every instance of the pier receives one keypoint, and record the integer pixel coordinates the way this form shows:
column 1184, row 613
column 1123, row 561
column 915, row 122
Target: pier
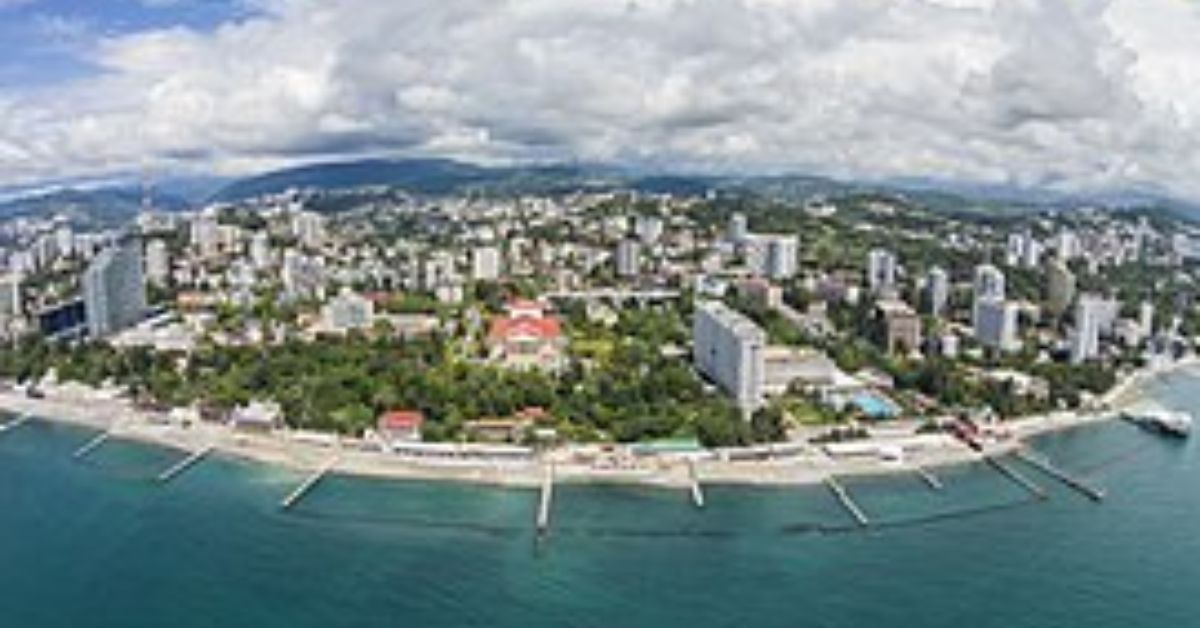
column 843, row 496
column 545, row 501
column 308, row 485
column 15, row 423
column 696, row 490
column 929, row 478
column 183, row 465
column 1042, row 464
column 1016, row 477
column 92, row 445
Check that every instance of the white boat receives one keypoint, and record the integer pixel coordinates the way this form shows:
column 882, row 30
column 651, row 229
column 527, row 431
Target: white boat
column 1169, row 422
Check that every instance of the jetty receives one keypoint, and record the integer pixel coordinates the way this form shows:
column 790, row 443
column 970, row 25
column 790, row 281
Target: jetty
column 15, row 423
column 1016, row 477
column 309, row 484
column 696, row 490
column 929, row 478
column 847, row 502
column 1040, row 463
column 546, row 501
column 92, row 445
column 178, row 468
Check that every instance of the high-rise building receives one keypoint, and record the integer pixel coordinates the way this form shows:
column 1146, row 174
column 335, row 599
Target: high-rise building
column 989, row 285
column 771, row 255
column 629, row 258
column 649, row 229
column 10, row 295
column 1146, row 318
column 1089, row 315
column 114, row 289
column 158, row 263
column 738, row 228
column 728, row 349
column 881, row 270
column 309, row 229
column 1060, row 288
column 937, row 289
column 206, row 233
column 303, row 276
column 996, row 323
column 485, row 263
column 260, row 250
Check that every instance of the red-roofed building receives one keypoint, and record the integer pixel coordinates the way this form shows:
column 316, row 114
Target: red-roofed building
column 400, row 426
column 527, row 337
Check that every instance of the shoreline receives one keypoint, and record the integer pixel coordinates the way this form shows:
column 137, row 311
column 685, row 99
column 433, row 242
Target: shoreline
column 806, row 464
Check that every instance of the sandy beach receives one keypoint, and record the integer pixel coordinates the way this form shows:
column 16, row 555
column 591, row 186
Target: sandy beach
column 785, row 464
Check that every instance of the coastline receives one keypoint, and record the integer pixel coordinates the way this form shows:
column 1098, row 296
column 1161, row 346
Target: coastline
column 800, row 465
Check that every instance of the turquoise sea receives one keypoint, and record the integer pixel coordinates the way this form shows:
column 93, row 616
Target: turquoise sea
column 99, row 544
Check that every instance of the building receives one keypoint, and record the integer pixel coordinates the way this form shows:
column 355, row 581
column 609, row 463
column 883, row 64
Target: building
column 937, row 291
column 728, row 349
column 1060, row 288
column 881, row 271
column 260, row 250
column 257, row 416
column 989, row 282
column 349, row 310
column 303, row 276
column 629, row 258
column 1146, row 318
column 11, row 303
column 205, row 233
column 527, row 337
column 901, row 326
column 485, row 263
column 996, row 323
column 773, row 256
column 738, row 229
column 400, row 426
column 309, row 229
column 649, row 229
column 114, row 289
column 1094, row 317
column 158, row 263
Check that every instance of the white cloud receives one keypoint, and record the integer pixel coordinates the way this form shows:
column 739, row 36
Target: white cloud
column 1075, row 95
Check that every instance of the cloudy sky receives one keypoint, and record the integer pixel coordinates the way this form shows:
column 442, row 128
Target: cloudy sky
column 1074, row 95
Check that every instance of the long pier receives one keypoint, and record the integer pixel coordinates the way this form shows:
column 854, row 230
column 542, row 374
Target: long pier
column 1040, row 463
column 545, row 501
column 696, row 490
column 308, row 485
column 178, row 468
column 843, row 496
column 1016, row 477
column 929, row 478
column 92, row 445
column 15, row 423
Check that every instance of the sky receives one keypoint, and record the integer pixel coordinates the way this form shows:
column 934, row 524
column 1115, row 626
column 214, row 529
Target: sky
column 1080, row 96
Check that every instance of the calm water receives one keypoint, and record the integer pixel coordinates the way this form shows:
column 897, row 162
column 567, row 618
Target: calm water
column 99, row 544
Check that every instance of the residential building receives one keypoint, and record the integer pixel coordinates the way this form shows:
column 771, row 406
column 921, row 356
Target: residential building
column 728, row 349
column 485, row 263
column 996, row 322
column 158, row 263
column 1060, row 288
column 628, row 258
column 881, row 271
column 937, row 291
column 901, row 326
column 349, row 310
column 114, row 289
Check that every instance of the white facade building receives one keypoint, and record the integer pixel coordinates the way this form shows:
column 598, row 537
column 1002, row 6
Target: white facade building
column 728, row 349
column 114, row 289
column 996, row 323
column 485, row 263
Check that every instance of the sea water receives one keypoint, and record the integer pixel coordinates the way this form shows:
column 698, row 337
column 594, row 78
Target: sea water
column 99, row 543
